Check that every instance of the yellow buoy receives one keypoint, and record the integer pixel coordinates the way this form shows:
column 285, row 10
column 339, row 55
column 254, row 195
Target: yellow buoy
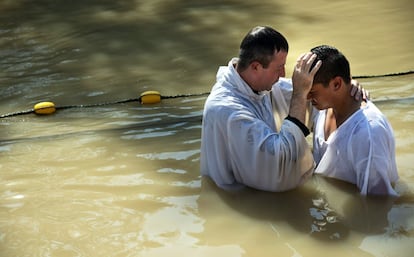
column 44, row 108
column 150, row 97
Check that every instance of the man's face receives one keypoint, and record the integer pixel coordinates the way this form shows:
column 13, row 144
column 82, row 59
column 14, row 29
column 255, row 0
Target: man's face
column 320, row 96
column 273, row 72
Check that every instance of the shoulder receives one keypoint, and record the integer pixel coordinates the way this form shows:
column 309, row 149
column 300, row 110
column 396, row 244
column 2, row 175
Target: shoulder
column 224, row 104
column 370, row 125
column 376, row 119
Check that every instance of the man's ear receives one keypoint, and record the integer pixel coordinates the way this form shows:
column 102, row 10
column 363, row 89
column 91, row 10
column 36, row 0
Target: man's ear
column 337, row 83
column 255, row 65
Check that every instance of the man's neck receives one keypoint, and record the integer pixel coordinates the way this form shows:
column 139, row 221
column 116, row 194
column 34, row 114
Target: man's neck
column 344, row 109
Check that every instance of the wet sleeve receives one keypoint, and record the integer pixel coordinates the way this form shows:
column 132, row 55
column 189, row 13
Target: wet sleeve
column 264, row 159
column 298, row 123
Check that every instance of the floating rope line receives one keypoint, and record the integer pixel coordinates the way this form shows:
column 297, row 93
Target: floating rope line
column 17, row 113
column 148, row 97
column 385, row 75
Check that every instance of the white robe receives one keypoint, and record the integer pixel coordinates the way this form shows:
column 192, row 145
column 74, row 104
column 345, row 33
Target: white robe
column 361, row 151
column 241, row 145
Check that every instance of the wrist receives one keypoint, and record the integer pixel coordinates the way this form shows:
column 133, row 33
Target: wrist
column 303, row 96
column 300, row 124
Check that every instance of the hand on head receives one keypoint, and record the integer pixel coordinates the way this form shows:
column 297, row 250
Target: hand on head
column 304, row 73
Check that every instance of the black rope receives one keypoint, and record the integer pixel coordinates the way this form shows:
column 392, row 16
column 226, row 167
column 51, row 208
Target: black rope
column 176, row 96
column 71, row 106
column 384, row 75
column 97, row 104
column 187, row 95
column 17, row 113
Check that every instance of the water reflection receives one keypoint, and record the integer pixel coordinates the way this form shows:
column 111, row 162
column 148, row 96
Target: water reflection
column 331, row 212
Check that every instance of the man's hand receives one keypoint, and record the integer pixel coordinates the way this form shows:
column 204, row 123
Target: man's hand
column 302, row 81
column 358, row 91
column 302, row 78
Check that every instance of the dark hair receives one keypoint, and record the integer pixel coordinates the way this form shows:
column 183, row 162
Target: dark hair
column 260, row 44
column 334, row 64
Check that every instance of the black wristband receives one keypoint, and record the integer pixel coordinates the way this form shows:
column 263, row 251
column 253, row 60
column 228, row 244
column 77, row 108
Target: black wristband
column 298, row 123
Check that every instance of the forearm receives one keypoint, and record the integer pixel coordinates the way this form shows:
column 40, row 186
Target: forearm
column 298, row 107
column 302, row 80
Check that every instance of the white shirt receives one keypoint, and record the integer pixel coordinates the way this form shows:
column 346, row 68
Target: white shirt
column 241, row 145
column 361, row 151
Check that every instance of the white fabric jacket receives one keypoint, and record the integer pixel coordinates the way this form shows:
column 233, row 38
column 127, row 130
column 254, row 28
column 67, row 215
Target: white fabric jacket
column 361, row 151
column 241, row 145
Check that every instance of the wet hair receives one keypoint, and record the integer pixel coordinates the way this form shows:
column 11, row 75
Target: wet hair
column 260, row 44
column 334, row 64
